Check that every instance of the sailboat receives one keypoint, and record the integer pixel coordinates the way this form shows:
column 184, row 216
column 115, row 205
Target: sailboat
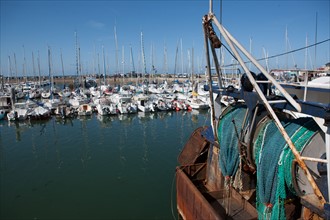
column 65, row 92
column 46, row 93
column 50, row 102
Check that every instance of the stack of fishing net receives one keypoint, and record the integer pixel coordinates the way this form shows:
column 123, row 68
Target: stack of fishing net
column 229, row 129
column 273, row 159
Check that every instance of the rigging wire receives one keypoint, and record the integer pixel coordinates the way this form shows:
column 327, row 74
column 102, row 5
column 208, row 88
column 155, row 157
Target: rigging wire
column 277, row 55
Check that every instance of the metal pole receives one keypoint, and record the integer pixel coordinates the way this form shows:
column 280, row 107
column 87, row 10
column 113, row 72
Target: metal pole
column 216, row 63
column 315, row 159
column 327, row 150
column 211, row 6
column 254, row 61
column 206, row 45
column 305, row 85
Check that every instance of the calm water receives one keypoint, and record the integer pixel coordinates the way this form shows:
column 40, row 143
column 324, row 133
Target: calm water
column 119, row 167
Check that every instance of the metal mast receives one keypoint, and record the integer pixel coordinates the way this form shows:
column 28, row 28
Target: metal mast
column 143, row 55
column 62, row 68
column 77, row 54
column 39, row 72
column 132, row 60
column 116, row 43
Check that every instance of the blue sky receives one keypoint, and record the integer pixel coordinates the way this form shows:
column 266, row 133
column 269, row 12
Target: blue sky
column 165, row 24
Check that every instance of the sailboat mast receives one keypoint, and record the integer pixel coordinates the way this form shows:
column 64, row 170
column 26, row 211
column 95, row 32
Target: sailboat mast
column 24, row 65
column 79, row 61
column 116, row 43
column 77, row 52
column 176, row 59
column 16, row 68
column 49, row 68
column 132, row 60
column 286, row 47
column 94, row 61
column 38, row 60
column 192, row 64
column 33, row 66
column 143, row 55
column 315, row 41
column 104, row 65
column 152, row 61
column 250, row 50
column 306, row 43
column 9, row 68
column 50, row 71
column 62, row 67
column 165, row 68
column 181, row 57
column 98, row 63
column 123, row 59
column 188, row 54
column 266, row 59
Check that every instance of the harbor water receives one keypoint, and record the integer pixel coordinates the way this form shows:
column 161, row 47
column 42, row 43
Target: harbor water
column 113, row 167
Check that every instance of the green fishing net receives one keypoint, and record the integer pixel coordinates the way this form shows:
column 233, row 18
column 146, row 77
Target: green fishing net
column 274, row 163
column 230, row 125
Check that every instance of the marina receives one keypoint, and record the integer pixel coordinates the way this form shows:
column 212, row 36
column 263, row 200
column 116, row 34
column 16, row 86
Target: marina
column 101, row 125
column 21, row 103
column 82, row 148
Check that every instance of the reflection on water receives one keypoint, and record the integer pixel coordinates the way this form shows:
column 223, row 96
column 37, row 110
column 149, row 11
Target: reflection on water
column 96, row 167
